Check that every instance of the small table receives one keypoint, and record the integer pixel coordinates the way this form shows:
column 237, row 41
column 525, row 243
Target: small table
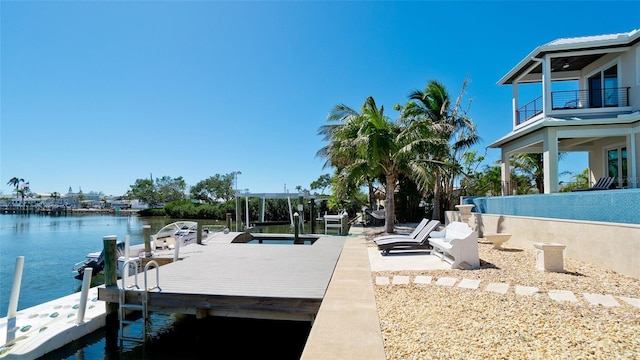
column 497, row 239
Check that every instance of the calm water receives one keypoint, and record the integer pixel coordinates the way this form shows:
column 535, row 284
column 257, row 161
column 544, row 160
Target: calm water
column 52, row 245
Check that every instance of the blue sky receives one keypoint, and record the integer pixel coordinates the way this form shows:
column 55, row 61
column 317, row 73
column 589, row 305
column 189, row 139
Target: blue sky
column 97, row 94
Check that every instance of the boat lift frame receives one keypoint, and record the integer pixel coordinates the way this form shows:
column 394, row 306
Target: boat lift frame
column 264, row 196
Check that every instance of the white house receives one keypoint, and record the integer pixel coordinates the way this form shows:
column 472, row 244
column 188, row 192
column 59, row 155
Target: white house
column 589, row 102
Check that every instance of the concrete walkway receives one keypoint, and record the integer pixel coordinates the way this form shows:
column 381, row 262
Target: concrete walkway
column 347, row 325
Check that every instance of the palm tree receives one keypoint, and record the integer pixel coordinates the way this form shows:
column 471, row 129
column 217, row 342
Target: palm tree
column 22, row 192
column 441, row 132
column 351, row 171
column 55, row 196
column 578, row 180
column 362, row 147
column 15, row 182
column 532, row 165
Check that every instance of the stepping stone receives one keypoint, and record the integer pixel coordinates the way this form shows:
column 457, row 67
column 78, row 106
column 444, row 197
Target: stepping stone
column 422, row 279
column 446, row 281
column 382, row 280
column 562, row 295
column 598, row 299
column 400, row 280
column 631, row 301
column 500, row 288
column 469, row 284
column 526, row 290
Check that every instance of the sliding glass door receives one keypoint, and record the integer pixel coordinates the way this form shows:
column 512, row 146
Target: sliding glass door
column 603, row 88
column 617, row 165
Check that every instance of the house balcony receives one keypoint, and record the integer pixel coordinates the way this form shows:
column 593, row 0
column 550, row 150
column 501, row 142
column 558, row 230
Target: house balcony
column 577, row 103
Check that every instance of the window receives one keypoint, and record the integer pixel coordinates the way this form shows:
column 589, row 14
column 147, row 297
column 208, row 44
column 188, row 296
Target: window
column 611, row 86
column 603, row 88
column 617, row 165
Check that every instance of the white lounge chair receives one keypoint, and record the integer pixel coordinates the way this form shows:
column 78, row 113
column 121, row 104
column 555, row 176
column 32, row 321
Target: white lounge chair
column 414, row 234
column 387, row 243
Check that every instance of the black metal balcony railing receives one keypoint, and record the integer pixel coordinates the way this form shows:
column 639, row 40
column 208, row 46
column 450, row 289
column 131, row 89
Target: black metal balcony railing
column 576, row 99
column 528, row 111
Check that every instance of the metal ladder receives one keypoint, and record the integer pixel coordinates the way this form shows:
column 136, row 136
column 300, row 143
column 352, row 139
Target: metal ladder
column 124, row 307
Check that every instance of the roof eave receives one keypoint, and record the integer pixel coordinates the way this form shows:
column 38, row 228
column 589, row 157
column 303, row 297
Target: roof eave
column 630, row 38
column 506, row 78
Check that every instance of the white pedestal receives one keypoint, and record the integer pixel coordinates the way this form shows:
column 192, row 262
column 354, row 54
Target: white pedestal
column 465, row 212
column 549, row 257
column 497, row 239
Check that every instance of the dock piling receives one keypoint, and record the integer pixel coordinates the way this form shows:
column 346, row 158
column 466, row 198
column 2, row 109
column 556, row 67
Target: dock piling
column 146, row 230
column 312, row 217
column 110, row 281
column 176, row 250
column 296, row 227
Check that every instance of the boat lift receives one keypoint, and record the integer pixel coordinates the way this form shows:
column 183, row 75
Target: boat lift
column 264, row 196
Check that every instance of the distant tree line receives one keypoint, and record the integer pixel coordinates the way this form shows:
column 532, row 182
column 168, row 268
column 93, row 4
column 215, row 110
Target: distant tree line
column 212, row 198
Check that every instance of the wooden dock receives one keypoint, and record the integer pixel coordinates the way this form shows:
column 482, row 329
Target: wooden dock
column 328, row 283
column 220, row 278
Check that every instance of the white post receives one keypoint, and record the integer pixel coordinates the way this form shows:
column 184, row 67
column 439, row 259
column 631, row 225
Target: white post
column 290, row 211
column 126, row 247
column 15, row 290
column 246, row 205
column 13, row 300
column 237, row 206
column 550, row 161
column 86, row 283
column 176, row 251
column 514, row 104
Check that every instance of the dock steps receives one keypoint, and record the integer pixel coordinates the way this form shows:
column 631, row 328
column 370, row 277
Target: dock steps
column 125, row 308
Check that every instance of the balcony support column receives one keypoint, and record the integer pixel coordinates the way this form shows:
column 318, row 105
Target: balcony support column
column 633, row 158
column 514, row 104
column 546, row 85
column 550, row 161
column 504, row 174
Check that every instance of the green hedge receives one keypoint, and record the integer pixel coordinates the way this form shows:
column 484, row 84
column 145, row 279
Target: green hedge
column 185, row 209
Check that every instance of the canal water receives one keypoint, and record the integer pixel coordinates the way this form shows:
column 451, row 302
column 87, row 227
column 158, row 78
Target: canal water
column 51, row 245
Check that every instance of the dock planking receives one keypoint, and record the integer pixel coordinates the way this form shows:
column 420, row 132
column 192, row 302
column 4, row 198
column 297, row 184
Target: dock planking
column 220, row 278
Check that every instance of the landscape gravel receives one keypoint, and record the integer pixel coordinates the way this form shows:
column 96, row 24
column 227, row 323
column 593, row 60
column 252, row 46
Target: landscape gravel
column 430, row 321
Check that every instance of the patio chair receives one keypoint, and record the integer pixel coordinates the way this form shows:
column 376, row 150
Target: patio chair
column 604, row 183
column 387, row 243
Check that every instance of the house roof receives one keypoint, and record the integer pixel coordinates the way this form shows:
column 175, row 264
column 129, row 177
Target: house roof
column 571, row 62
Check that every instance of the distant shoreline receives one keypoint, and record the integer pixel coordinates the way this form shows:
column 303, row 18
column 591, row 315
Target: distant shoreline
column 59, row 211
column 105, row 211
